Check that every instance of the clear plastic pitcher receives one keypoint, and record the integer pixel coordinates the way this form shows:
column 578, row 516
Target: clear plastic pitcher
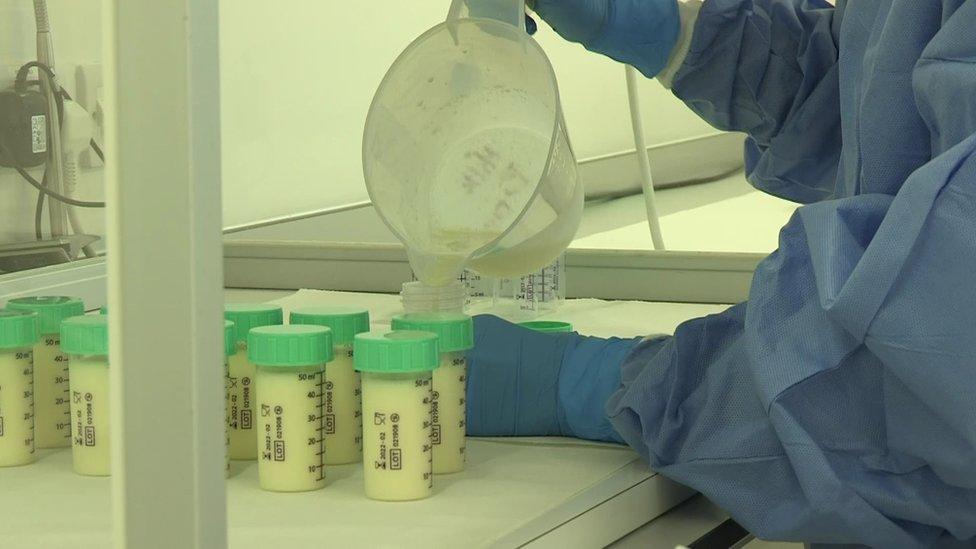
column 465, row 153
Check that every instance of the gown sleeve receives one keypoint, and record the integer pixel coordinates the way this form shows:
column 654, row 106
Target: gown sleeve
column 769, row 69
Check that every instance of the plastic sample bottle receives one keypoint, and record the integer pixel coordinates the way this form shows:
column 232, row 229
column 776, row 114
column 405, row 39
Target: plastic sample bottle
column 85, row 339
column 418, row 297
column 290, row 365
column 230, row 347
column 18, row 335
column 52, row 425
column 243, row 398
column 396, row 369
column 343, row 413
column 456, row 334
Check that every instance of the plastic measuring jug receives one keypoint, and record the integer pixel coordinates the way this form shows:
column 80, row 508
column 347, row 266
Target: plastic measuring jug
column 465, row 152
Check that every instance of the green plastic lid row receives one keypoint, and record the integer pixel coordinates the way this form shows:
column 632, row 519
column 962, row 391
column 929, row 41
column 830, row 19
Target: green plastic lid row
column 51, row 310
column 246, row 316
column 396, row 352
column 345, row 322
column 18, row 329
column 284, row 346
column 455, row 330
column 85, row 335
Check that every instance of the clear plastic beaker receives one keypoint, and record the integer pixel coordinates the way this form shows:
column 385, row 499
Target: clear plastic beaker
column 539, row 292
column 465, row 152
column 481, row 289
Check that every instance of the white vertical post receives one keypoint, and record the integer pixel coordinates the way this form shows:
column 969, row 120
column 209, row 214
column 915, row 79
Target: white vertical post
column 165, row 273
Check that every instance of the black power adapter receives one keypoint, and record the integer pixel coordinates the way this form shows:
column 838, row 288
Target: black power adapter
column 23, row 128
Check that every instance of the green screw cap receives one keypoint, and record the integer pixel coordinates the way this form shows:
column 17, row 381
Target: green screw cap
column 18, row 329
column 455, row 330
column 230, row 343
column 51, row 310
column 246, row 316
column 548, row 326
column 289, row 345
column 345, row 322
column 396, row 352
column 85, row 335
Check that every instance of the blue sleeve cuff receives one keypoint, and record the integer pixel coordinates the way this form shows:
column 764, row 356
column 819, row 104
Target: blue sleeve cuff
column 634, row 364
column 640, row 33
column 590, row 375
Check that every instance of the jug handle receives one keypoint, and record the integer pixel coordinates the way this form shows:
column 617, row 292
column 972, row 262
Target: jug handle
column 506, row 11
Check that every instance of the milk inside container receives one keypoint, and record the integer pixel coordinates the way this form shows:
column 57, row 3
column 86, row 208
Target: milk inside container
column 342, row 416
column 290, row 363
column 52, row 426
column 242, row 393
column 396, row 369
column 18, row 335
column 466, row 155
column 85, row 339
column 456, row 336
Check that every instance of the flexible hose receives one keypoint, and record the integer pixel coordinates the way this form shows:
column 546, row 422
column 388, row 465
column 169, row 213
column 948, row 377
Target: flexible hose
column 51, row 89
column 57, row 196
column 70, row 182
column 39, row 211
column 647, row 179
column 40, row 16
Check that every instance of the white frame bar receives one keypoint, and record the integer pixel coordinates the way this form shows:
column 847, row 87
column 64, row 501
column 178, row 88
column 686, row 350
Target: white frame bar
column 165, row 274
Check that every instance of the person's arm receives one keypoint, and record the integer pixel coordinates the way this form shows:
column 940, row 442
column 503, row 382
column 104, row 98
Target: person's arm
column 527, row 383
column 769, row 69
column 837, row 405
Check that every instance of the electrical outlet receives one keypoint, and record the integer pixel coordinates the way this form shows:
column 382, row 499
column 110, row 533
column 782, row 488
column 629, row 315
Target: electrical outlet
column 90, row 95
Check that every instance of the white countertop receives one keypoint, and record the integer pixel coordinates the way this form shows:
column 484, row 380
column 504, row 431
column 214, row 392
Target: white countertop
column 726, row 215
column 507, row 483
column 512, row 491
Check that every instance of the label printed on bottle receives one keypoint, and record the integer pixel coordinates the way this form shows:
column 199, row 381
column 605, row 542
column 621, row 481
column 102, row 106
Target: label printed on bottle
column 290, row 429
column 17, row 404
column 85, row 433
column 241, row 402
column 38, row 134
column 53, row 393
column 388, row 426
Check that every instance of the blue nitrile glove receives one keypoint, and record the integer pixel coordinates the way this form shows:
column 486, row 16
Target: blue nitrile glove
column 527, row 383
column 641, row 33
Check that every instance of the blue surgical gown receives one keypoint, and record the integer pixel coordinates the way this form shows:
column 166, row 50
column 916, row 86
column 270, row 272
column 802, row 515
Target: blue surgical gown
column 838, row 405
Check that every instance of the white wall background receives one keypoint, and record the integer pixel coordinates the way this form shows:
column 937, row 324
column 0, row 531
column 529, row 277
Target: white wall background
column 297, row 84
column 77, row 40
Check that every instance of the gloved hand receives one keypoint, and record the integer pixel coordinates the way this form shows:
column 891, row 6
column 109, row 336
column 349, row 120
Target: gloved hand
column 641, row 33
column 526, row 383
